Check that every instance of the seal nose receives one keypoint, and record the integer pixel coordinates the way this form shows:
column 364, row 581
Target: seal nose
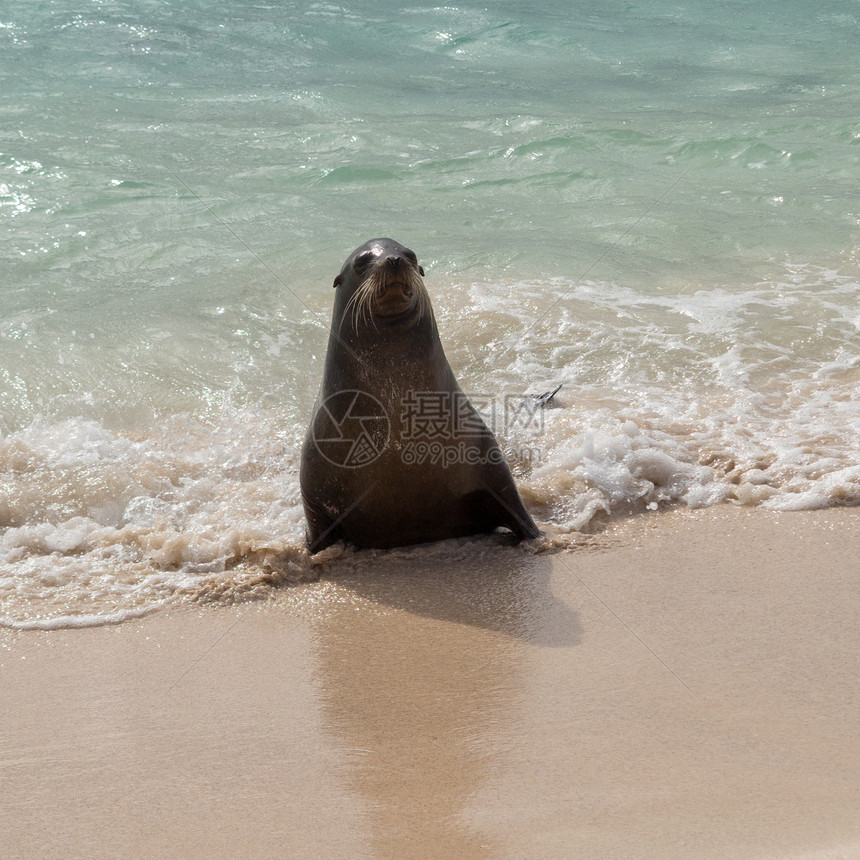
column 393, row 263
column 395, row 266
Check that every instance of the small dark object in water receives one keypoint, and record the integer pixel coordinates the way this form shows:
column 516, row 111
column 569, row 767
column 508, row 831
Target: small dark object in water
column 545, row 399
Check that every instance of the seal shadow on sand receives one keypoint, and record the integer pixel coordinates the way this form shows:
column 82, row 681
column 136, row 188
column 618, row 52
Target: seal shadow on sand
column 420, row 654
column 483, row 582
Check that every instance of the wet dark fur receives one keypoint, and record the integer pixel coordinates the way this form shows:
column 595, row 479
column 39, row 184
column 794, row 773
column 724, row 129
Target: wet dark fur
column 388, row 350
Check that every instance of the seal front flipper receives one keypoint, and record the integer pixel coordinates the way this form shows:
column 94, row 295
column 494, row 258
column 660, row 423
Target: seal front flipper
column 522, row 525
column 502, row 506
column 514, row 515
column 322, row 531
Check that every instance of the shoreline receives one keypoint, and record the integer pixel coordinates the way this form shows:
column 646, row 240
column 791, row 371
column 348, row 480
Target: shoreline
column 682, row 687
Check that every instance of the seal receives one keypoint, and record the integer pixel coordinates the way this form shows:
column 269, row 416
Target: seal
column 395, row 453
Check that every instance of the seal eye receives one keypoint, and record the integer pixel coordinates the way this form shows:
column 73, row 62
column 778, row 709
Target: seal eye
column 363, row 261
column 409, row 256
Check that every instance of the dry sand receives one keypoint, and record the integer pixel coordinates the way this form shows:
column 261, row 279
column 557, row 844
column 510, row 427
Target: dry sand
column 687, row 688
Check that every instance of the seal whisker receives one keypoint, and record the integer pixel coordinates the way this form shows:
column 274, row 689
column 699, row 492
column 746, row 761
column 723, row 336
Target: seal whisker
column 358, row 307
column 367, row 291
column 362, row 306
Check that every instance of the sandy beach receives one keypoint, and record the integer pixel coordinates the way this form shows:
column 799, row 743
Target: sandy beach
column 683, row 686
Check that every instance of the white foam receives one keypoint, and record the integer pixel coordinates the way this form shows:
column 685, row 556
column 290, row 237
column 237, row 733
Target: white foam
column 692, row 397
column 611, row 468
column 95, row 518
column 76, row 622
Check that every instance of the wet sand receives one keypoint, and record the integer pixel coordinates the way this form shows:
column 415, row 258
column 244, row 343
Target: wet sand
column 685, row 687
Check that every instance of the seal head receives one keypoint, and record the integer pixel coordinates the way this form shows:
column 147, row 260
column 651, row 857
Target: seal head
column 385, row 283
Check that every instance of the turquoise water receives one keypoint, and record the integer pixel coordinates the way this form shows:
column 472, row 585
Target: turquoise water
column 655, row 204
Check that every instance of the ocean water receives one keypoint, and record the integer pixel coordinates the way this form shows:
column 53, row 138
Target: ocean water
column 656, row 204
